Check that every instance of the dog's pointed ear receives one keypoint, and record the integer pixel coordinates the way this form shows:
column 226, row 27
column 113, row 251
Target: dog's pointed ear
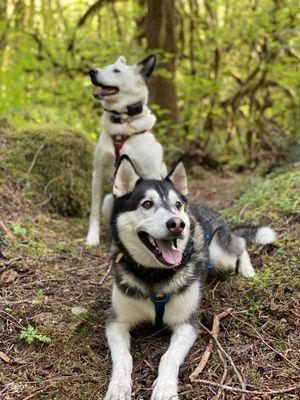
column 122, row 60
column 179, row 179
column 126, row 177
column 146, row 66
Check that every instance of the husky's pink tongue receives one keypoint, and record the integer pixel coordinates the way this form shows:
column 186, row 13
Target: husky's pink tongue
column 170, row 255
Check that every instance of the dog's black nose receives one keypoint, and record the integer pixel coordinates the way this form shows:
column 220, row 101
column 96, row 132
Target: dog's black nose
column 93, row 72
column 175, row 225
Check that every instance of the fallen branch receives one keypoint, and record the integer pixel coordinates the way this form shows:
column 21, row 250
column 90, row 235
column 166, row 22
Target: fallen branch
column 245, row 391
column 239, row 376
column 215, row 331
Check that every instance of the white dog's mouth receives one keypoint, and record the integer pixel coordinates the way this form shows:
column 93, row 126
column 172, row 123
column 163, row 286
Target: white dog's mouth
column 105, row 91
column 165, row 250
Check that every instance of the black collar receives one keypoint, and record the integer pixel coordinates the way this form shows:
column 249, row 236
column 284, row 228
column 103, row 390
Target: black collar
column 132, row 109
column 152, row 276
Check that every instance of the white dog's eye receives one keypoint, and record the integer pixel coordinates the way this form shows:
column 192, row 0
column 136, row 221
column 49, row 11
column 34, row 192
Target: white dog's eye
column 147, row 204
column 116, row 70
column 178, row 205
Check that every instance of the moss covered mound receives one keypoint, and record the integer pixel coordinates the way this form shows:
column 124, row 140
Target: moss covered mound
column 268, row 197
column 52, row 164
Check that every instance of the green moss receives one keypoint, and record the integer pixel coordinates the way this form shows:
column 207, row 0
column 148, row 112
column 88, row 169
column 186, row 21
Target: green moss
column 52, row 164
column 269, row 196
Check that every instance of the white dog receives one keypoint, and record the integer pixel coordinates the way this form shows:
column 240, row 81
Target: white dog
column 127, row 124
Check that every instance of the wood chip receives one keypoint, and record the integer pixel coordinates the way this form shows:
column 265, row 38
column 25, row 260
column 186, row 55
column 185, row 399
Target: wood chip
column 4, row 357
column 8, row 277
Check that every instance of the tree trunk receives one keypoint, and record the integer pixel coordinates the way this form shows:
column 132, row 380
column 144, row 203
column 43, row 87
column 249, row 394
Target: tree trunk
column 161, row 38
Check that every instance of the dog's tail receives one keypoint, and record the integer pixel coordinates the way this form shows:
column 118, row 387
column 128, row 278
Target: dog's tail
column 262, row 235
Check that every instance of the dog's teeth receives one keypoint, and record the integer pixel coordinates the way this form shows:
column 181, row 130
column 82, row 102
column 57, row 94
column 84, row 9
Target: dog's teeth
column 152, row 241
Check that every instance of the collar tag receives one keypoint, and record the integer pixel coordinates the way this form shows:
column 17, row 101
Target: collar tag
column 119, row 257
column 129, row 131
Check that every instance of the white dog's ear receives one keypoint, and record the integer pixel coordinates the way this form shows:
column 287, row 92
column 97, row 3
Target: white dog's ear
column 126, row 177
column 179, row 179
column 146, row 66
column 122, row 60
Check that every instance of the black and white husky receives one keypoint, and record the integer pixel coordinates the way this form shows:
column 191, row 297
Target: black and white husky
column 161, row 254
column 127, row 124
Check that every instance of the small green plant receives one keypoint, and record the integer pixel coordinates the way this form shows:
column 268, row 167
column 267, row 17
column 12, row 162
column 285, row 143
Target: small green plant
column 30, row 335
column 18, row 230
column 40, row 296
column 254, row 306
column 60, row 247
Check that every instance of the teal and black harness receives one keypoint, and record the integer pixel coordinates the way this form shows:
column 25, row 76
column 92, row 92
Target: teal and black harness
column 160, row 300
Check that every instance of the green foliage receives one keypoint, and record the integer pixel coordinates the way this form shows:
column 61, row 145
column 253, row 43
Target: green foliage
column 237, row 69
column 52, row 165
column 18, row 230
column 30, row 335
column 277, row 193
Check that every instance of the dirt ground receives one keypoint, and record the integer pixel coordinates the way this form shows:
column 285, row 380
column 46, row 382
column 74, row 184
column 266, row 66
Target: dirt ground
column 46, row 271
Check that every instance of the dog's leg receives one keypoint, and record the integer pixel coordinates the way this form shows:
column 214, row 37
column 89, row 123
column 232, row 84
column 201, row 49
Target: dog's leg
column 164, row 171
column 107, row 206
column 245, row 265
column 165, row 386
column 93, row 237
column 118, row 338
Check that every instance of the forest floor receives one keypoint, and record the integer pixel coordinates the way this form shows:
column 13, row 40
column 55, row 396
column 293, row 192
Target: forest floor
column 46, row 271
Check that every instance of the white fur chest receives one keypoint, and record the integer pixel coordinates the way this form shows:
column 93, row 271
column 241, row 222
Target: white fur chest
column 133, row 311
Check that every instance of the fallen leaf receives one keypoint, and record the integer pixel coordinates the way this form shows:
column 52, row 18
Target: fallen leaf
column 19, row 360
column 4, row 357
column 8, row 277
column 273, row 306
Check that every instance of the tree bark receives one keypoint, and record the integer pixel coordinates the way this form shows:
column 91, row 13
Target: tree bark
column 161, row 38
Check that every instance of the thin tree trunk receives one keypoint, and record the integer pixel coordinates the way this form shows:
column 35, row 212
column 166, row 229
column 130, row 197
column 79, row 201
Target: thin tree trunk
column 160, row 34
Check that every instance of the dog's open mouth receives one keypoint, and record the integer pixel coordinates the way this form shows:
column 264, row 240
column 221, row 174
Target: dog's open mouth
column 164, row 250
column 104, row 91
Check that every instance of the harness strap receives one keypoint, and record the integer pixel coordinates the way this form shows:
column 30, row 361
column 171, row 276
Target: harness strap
column 159, row 301
column 208, row 238
column 119, row 140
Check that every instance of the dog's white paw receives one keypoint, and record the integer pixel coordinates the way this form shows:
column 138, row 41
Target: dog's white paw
column 246, row 269
column 93, row 238
column 164, row 389
column 245, row 266
column 119, row 389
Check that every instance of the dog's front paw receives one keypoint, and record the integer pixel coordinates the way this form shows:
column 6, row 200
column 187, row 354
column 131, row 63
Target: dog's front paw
column 248, row 272
column 164, row 389
column 118, row 389
column 93, row 238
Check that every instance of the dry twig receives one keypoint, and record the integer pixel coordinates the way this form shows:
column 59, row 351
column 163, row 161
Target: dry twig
column 266, row 343
column 245, row 391
column 107, row 273
column 224, row 353
column 220, row 391
column 215, row 331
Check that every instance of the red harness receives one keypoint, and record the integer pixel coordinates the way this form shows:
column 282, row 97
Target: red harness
column 119, row 140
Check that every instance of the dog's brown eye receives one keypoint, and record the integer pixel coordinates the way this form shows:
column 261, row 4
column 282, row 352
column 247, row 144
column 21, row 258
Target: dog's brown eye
column 147, row 204
column 178, row 205
column 117, row 70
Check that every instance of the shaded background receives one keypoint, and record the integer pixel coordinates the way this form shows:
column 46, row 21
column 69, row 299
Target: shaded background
column 226, row 88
